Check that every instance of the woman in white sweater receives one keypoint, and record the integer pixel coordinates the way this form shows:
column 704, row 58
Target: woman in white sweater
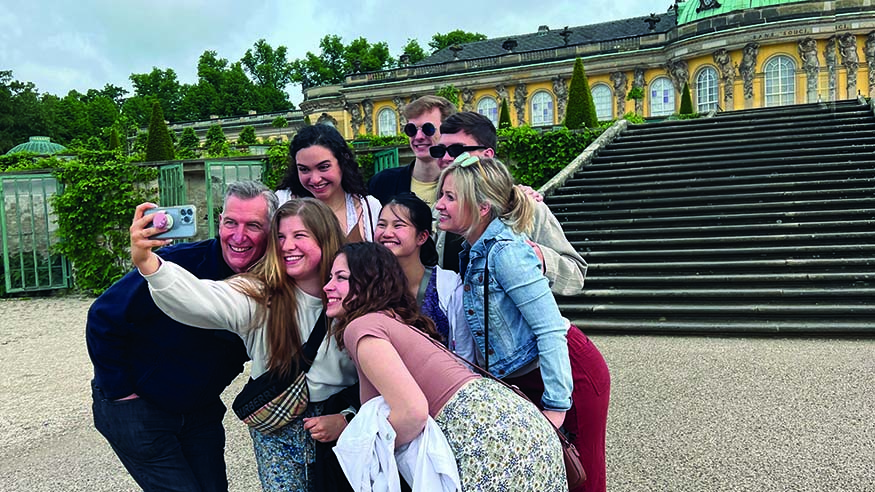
column 273, row 308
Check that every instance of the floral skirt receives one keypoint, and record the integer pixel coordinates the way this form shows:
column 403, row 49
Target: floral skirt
column 501, row 441
column 285, row 458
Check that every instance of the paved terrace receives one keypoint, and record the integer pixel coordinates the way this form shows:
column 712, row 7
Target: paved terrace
column 687, row 413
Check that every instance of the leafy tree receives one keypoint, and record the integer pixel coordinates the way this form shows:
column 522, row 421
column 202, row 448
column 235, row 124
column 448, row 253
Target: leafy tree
column 70, row 119
column 161, row 85
column 216, row 143
column 414, row 52
column 270, row 69
column 336, row 60
column 186, row 147
column 504, row 116
column 450, row 93
column 102, row 112
column 114, row 142
column 440, row 41
column 158, row 145
column 686, row 100
column 580, row 111
column 247, row 136
column 279, row 122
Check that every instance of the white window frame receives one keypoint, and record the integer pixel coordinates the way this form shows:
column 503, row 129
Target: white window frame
column 779, row 81
column 603, row 100
column 387, row 122
column 661, row 94
column 488, row 107
column 707, row 91
column 543, row 112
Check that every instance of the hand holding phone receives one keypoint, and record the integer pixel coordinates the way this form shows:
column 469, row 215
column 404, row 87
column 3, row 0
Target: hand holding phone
column 179, row 221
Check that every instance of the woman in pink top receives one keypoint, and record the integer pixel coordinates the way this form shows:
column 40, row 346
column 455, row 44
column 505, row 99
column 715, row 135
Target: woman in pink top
column 500, row 441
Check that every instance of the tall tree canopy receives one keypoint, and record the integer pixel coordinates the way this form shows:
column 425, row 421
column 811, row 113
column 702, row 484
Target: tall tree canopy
column 414, row 52
column 440, row 41
column 336, row 60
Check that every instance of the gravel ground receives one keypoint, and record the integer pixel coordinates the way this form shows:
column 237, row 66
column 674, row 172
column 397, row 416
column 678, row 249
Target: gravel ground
column 687, row 413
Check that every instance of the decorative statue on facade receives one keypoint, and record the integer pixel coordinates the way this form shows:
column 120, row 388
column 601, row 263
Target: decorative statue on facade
column 869, row 49
column 467, row 99
column 748, row 68
column 829, row 54
column 811, row 65
column 399, row 106
column 850, row 60
column 501, row 90
column 620, row 82
column 639, row 83
column 560, row 89
column 355, row 116
column 368, row 107
column 723, row 60
column 520, row 93
column 679, row 72
column 326, row 119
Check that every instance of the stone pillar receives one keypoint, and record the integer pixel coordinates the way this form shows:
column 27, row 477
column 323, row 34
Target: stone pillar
column 869, row 49
column 467, row 99
column 620, row 82
column 829, row 54
column 639, row 83
column 560, row 89
column 399, row 108
column 811, row 65
column 520, row 95
column 850, row 60
column 368, row 107
column 723, row 60
column 747, row 68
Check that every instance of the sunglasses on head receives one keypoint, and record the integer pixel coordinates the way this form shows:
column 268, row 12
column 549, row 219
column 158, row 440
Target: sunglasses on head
column 428, row 129
column 455, row 150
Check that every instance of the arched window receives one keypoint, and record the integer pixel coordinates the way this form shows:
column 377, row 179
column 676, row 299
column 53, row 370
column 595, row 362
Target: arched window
column 661, row 97
column 601, row 97
column 488, row 108
column 706, row 90
column 387, row 122
column 780, row 75
column 542, row 109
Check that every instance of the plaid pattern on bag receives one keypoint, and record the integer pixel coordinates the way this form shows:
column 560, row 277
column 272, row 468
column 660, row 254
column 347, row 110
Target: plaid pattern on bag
column 282, row 409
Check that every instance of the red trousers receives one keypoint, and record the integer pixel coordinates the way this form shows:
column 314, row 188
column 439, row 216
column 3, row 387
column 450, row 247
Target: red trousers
column 587, row 419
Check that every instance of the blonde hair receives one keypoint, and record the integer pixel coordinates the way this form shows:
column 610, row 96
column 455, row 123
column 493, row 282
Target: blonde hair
column 274, row 290
column 488, row 182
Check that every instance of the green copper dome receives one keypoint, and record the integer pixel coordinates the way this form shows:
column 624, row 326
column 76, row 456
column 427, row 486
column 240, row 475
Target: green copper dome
column 694, row 10
column 39, row 146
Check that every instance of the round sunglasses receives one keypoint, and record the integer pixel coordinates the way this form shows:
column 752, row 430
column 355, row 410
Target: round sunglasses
column 455, row 150
column 428, row 129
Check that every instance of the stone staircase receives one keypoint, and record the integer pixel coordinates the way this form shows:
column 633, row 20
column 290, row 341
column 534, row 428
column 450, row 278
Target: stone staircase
column 757, row 221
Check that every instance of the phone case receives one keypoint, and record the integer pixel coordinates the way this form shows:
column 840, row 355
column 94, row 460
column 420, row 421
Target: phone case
column 182, row 221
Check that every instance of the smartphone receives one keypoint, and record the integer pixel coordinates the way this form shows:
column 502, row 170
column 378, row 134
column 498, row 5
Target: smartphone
column 180, row 221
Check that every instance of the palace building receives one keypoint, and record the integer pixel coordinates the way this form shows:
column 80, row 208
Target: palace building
column 734, row 54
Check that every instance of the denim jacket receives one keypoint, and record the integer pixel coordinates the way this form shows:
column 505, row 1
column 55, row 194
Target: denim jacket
column 524, row 320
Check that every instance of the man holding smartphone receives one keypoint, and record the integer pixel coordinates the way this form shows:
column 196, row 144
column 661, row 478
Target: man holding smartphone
column 157, row 383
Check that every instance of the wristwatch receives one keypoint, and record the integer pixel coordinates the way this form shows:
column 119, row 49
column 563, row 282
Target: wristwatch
column 348, row 415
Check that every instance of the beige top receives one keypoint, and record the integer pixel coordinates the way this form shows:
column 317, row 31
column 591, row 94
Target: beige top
column 217, row 305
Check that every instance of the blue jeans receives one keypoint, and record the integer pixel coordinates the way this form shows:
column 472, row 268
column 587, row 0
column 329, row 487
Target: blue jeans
column 164, row 451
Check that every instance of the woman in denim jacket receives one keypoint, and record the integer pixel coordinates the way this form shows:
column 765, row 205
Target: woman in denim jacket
column 528, row 343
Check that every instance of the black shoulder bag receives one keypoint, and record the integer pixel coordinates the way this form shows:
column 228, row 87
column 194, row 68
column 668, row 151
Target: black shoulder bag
column 269, row 402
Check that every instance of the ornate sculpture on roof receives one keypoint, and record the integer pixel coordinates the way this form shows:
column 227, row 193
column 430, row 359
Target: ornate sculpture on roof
column 829, row 54
column 850, row 60
column 355, row 116
column 520, row 94
column 467, row 99
column 620, row 82
column 560, row 90
column 723, row 60
column 869, row 49
column 639, row 83
column 748, row 68
column 707, row 5
column 368, row 107
column 811, row 65
column 679, row 72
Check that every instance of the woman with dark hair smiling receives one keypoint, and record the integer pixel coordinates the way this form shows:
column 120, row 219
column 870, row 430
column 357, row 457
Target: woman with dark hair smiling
column 500, row 441
column 322, row 166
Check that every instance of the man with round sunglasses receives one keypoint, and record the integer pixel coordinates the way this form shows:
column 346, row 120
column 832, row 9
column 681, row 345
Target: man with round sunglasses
column 424, row 116
column 475, row 134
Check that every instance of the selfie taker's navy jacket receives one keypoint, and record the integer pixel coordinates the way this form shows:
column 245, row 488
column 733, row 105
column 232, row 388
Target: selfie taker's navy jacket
column 136, row 348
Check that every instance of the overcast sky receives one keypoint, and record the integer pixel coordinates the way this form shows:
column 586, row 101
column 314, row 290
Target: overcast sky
column 62, row 45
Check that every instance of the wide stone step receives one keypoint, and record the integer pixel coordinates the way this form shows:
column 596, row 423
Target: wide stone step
column 825, row 325
column 722, row 267
column 592, row 177
column 746, row 230
column 695, row 243
column 678, row 308
column 804, row 294
column 669, row 128
column 669, row 281
column 569, row 212
column 762, row 142
column 716, row 252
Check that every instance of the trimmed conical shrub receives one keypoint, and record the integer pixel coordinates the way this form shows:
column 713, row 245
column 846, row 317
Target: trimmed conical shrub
column 158, row 144
column 580, row 111
column 686, row 100
column 504, row 115
column 114, row 142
